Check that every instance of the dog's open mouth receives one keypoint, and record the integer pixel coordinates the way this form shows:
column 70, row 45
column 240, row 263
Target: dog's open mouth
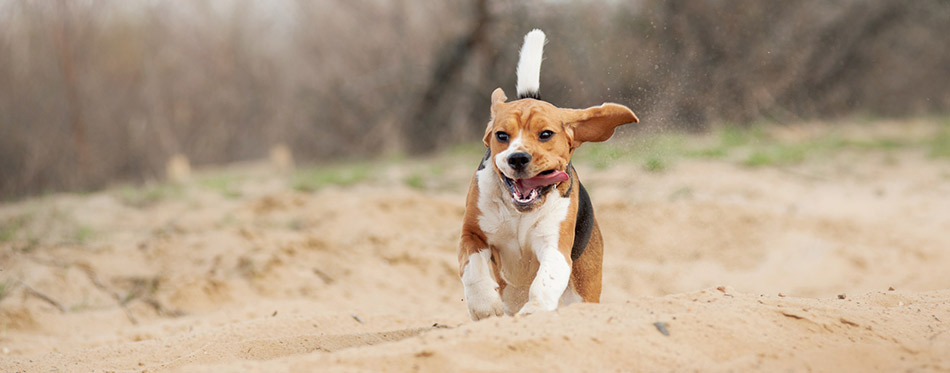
column 526, row 191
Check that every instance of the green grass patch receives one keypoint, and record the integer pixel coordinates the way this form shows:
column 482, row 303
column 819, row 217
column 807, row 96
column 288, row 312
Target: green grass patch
column 6, row 286
column 656, row 164
column 149, row 194
column 758, row 158
column 84, row 234
column 733, row 136
column 770, row 152
column 225, row 184
column 601, row 155
column 939, row 146
column 751, row 146
column 659, row 153
column 10, row 229
column 416, row 181
column 316, row 178
column 875, row 144
column 467, row 149
column 729, row 138
column 656, row 152
column 711, row 152
column 426, row 175
column 16, row 231
column 778, row 155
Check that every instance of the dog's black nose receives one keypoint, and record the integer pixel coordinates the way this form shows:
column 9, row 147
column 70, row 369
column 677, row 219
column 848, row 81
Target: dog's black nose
column 518, row 161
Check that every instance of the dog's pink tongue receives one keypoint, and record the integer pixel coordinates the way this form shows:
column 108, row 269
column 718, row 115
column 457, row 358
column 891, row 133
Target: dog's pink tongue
column 541, row 180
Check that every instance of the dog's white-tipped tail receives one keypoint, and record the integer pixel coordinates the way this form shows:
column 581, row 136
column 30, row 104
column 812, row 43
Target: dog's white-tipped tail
column 529, row 65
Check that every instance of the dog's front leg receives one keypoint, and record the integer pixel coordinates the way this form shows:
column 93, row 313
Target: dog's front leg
column 549, row 284
column 481, row 289
column 482, row 294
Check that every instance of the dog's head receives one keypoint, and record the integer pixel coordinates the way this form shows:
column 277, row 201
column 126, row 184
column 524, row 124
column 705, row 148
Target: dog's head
column 531, row 142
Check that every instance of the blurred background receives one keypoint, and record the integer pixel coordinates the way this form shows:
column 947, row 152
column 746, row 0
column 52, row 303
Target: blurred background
column 98, row 91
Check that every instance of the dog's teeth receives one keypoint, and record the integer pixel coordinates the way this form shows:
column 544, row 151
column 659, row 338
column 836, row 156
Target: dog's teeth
column 532, row 195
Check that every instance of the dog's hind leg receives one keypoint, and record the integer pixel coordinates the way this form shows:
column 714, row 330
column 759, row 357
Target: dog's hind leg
column 586, row 274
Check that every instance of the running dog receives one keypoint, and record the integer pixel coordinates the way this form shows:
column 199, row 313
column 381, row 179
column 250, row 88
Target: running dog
column 529, row 238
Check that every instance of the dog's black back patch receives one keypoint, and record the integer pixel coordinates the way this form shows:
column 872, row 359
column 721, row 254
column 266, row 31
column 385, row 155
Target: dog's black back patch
column 481, row 164
column 584, row 225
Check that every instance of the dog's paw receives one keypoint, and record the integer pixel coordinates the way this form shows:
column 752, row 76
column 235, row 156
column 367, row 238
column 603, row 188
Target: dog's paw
column 483, row 302
column 534, row 307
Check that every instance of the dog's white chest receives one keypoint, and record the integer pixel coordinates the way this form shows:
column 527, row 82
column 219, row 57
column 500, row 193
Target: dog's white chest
column 518, row 236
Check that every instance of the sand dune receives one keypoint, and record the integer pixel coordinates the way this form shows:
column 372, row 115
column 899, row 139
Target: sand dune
column 836, row 264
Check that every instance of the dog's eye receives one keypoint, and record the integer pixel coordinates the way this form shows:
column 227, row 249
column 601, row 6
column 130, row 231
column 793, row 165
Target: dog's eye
column 501, row 136
column 546, row 135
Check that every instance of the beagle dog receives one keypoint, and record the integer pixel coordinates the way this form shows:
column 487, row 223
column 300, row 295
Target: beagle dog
column 529, row 238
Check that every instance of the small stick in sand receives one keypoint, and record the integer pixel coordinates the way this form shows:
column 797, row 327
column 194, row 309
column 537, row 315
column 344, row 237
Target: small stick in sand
column 323, row 276
column 102, row 287
column 30, row 290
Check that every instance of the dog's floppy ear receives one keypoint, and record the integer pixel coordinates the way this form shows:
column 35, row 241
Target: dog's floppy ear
column 597, row 123
column 497, row 98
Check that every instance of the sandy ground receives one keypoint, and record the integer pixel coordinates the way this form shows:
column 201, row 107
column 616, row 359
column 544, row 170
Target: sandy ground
column 838, row 263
